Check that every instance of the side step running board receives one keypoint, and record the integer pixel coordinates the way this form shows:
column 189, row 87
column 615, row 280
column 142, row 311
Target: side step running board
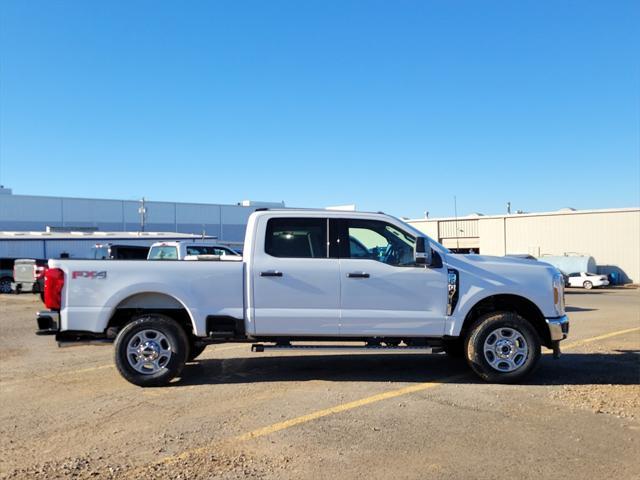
column 260, row 347
column 83, row 342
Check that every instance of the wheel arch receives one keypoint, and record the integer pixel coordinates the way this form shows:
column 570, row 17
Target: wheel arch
column 140, row 303
column 509, row 303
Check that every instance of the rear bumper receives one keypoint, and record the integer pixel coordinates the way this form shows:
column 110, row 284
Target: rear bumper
column 48, row 322
column 558, row 328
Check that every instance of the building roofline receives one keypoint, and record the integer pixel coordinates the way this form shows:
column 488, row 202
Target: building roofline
column 170, row 202
column 104, row 236
column 531, row 214
column 320, row 210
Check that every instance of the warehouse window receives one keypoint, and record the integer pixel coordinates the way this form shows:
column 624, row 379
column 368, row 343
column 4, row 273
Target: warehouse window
column 296, row 237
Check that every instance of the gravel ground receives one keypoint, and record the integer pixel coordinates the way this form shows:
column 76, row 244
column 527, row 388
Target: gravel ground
column 68, row 415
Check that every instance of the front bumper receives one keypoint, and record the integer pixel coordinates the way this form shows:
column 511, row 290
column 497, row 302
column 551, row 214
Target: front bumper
column 48, row 322
column 558, row 328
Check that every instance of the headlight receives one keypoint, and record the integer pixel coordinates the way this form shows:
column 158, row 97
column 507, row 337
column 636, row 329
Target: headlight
column 558, row 293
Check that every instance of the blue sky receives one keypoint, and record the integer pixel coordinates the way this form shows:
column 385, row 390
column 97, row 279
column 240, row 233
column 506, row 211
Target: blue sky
column 395, row 106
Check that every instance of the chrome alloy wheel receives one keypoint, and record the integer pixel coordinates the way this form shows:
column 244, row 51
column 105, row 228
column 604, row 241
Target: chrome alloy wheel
column 148, row 351
column 505, row 349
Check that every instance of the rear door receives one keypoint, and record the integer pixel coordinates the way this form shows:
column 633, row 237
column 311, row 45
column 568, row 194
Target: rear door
column 383, row 291
column 296, row 286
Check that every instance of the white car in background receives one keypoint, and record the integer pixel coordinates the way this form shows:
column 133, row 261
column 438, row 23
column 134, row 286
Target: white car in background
column 587, row 280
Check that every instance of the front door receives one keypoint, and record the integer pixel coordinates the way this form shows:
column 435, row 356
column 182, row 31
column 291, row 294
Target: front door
column 296, row 286
column 383, row 291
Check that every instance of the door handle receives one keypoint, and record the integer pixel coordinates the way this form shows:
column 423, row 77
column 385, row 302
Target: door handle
column 271, row 273
column 358, row 275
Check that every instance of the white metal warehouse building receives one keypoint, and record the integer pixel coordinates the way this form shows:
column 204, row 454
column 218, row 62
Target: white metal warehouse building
column 35, row 213
column 611, row 236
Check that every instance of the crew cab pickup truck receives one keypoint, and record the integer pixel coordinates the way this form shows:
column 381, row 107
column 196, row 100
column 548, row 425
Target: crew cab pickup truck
column 317, row 276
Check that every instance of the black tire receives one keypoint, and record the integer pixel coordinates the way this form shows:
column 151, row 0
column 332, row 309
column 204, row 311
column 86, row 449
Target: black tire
column 178, row 344
column 195, row 349
column 587, row 285
column 487, row 326
column 5, row 284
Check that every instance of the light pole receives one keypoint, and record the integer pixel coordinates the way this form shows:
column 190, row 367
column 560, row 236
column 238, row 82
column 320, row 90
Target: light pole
column 143, row 214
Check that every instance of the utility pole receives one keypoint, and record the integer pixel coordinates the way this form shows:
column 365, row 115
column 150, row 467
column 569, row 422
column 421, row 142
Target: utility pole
column 143, row 214
column 455, row 211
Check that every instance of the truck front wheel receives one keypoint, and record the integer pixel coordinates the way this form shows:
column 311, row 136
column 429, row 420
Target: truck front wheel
column 151, row 350
column 502, row 347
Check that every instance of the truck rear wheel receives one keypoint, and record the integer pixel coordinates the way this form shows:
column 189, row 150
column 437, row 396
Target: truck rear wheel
column 502, row 347
column 151, row 350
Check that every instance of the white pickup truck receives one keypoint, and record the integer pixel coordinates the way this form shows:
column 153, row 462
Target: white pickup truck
column 312, row 276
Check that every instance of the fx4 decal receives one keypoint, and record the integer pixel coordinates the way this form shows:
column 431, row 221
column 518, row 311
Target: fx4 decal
column 91, row 275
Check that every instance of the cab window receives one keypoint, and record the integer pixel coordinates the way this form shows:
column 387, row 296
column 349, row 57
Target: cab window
column 296, row 237
column 206, row 250
column 163, row 253
column 380, row 241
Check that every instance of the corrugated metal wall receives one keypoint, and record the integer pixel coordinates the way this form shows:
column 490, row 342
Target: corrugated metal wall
column 458, row 228
column 33, row 213
column 612, row 238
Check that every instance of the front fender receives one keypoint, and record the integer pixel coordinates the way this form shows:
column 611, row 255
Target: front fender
column 455, row 322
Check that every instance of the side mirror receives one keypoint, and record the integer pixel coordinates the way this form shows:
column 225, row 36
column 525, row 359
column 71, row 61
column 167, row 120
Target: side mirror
column 422, row 252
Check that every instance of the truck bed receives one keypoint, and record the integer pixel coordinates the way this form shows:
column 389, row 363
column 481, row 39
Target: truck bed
column 93, row 289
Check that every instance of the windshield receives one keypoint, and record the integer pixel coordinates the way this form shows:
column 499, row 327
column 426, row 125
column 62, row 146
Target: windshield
column 207, row 250
column 164, row 252
column 100, row 253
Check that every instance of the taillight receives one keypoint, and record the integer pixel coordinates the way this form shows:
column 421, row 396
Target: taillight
column 53, row 283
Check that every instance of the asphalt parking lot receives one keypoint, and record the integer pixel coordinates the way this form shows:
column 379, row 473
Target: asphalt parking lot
column 66, row 413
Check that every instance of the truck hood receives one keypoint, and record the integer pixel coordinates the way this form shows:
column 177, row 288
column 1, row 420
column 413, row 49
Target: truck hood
column 481, row 276
column 511, row 267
